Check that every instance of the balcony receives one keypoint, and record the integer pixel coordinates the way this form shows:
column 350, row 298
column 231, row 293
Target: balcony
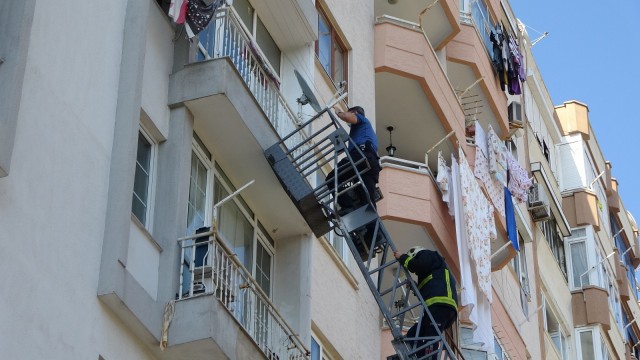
column 238, row 112
column 587, row 306
column 223, row 310
column 439, row 20
column 469, row 61
column 413, row 93
column 546, row 178
column 623, row 280
column 413, row 210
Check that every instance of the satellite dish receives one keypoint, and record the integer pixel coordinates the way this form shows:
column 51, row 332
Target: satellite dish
column 307, row 94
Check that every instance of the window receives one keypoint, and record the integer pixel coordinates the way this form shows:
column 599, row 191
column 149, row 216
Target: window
column 623, row 253
column 239, row 227
column 499, row 353
column 591, row 345
column 556, row 244
column 578, row 256
column 470, row 349
column 330, row 50
column 553, row 330
column 142, row 185
column 199, row 205
column 318, row 352
column 258, row 31
column 519, row 263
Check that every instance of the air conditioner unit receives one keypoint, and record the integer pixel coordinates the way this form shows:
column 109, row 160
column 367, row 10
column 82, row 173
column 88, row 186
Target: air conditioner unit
column 515, row 114
column 538, row 203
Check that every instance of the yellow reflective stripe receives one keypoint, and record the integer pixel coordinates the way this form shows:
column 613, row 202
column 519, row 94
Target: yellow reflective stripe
column 448, row 300
column 441, row 300
column 426, row 280
column 406, row 262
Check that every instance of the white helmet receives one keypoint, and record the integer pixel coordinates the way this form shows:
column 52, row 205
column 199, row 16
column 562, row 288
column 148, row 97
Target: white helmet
column 415, row 250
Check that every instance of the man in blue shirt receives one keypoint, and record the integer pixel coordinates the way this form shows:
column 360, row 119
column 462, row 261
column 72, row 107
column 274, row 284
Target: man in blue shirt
column 362, row 136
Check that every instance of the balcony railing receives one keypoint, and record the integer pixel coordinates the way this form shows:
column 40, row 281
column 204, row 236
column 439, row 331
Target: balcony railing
column 209, row 268
column 225, row 37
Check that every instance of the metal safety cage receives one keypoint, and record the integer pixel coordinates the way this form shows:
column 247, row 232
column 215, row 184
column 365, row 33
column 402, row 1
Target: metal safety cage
column 326, row 142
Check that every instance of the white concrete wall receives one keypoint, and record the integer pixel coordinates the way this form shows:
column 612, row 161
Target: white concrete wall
column 52, row 205
column 157, row 68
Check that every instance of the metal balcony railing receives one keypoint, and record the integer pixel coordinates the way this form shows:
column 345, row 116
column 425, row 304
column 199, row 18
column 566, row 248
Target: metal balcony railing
column 225, row 37
column 209, row 268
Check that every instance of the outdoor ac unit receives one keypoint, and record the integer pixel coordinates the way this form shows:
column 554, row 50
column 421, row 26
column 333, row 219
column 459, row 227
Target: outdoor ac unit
column 538, row 203
column 515, row 114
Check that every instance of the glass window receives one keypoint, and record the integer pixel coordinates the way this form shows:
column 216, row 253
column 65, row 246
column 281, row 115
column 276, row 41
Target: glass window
column 196, row 207
column 579, row 263
column 554, row 331
column 330, row 50
column 268, row 46
column 318, row 352
column 519, row 263
column 586, row 345
column 554, row 240
column 142, row 181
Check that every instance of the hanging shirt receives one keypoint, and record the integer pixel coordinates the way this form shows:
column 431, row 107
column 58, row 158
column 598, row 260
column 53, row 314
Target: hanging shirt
column 199, row 14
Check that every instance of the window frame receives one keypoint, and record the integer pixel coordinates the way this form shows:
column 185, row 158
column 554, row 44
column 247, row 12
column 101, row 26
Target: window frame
column 521, row 270
column 252, row 31
column 204, row 156
column 335, row 40
column 563, row 337
column 323, row 355
column 257, row 236
column 147, row 222
column 556, row 243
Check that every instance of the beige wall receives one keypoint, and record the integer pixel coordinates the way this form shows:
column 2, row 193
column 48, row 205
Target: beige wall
column 346, row 315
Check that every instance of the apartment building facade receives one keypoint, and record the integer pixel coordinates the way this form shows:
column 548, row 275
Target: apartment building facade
column 154, row 227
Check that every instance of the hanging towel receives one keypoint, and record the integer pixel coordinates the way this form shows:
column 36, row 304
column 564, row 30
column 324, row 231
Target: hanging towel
column 178, row 10
column 497, row 157
column 519, row 180
column 480, row 225
column 510, row 216
column 494, row 189
column 481, row 138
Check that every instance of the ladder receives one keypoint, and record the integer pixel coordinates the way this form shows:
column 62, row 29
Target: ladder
column 296, row 160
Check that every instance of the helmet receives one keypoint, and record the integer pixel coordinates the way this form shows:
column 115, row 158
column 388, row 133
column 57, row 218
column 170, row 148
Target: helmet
column 415, row 250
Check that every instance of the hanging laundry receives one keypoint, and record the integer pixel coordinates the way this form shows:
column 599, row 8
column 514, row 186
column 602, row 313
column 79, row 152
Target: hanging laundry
column 497, row 157
column 497, row 39
column 199, row 14
column 443, row 179
column 480, row 224
column 516, row 73
column 519, row 180
column 492, row 186
column 178, row 10
column 510, row 216
column 481, row 138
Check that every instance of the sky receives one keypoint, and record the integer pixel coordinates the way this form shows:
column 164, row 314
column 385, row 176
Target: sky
column 592, row 55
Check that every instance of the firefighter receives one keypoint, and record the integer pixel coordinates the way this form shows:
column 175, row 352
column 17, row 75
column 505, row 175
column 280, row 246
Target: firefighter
column 437, row 287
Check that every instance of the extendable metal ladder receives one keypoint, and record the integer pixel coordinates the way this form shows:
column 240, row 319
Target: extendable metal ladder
column 297, row 161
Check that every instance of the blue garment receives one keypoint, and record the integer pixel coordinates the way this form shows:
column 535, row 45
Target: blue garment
column 510, row 216
column 362, row 132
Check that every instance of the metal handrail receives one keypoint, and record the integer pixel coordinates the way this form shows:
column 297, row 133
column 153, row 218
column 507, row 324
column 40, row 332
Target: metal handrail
column 225, row 37
column 225, row 277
